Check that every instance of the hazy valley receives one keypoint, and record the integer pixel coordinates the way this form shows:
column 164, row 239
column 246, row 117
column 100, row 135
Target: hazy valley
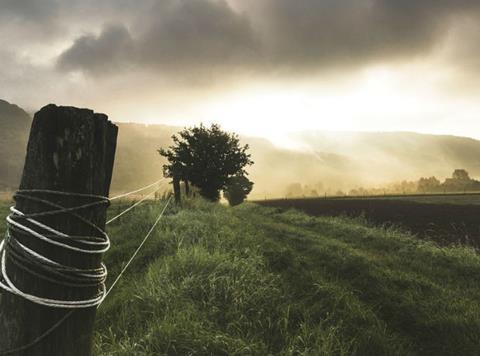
column 330, row 161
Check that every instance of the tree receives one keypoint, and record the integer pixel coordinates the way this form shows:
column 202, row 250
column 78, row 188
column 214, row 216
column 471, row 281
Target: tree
column 460, row 181
column 237, row 189
column 207, row 158
column 460, row 175
column 431, row 184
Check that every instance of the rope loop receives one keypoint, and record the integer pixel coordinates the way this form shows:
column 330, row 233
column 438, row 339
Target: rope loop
column 22, row 228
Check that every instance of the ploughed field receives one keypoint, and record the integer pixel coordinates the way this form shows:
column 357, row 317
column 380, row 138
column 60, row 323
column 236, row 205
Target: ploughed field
column 443, row 219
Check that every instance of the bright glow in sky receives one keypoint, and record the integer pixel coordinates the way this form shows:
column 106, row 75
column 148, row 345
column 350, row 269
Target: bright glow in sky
column 376, row 99
column 259, row 67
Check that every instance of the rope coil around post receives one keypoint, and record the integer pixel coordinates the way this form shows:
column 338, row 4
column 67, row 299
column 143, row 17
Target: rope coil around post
column 24, row 257
column 30, row 260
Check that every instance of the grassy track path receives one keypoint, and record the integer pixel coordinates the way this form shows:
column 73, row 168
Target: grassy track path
column 424, row 297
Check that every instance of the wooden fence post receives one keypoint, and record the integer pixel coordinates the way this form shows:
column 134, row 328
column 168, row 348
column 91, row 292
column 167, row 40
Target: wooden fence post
column 69, row 150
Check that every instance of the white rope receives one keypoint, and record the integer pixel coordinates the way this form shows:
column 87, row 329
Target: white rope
column 138, row 248
column 17, row 250
column 47, row 260
column 137, row 190
column 25, row 257
column 54, row 303
column 53, row 242
column 133, row 206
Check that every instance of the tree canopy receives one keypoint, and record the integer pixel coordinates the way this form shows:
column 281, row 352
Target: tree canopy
column 207, row 157
column 461, row 175
column 238, row 188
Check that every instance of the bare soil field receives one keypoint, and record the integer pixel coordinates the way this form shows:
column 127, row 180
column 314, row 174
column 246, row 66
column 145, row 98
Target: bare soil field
column 445, row 223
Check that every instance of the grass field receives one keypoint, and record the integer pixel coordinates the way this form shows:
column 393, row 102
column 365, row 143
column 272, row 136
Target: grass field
column 256, row 281
column 434, row 218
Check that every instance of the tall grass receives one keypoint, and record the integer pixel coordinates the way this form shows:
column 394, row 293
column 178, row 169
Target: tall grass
column 213, row 280
column 256, row 281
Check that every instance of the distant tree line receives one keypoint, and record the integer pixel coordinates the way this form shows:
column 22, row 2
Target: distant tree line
column 460, row 181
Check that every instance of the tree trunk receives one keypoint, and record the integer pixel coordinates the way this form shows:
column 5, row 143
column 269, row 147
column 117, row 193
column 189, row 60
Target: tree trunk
column 176, row 190
column 69, row 150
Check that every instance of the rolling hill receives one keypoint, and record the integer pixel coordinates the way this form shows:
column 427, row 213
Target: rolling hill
column 14, row 127
column 330, row 161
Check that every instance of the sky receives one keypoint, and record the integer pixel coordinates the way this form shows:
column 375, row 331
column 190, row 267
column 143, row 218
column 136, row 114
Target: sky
column 261, row 67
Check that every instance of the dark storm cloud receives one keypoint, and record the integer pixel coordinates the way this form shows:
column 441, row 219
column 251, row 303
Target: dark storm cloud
column 99, row 54
column 28, row 20
column 33, row 11
column 172, row 36
column 193, row 34
column 196, row 32
column 312, row 32
column 24, row 21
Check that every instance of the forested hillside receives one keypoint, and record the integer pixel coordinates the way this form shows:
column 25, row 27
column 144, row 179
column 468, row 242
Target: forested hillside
column 14, row 128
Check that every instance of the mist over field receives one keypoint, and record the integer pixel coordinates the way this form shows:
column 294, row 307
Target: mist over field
column 324, row 162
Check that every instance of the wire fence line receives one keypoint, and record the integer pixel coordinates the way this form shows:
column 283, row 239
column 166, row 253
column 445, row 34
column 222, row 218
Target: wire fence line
column 138, row 248
column 134, row 205
column 25, row 253
column 137, row 190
